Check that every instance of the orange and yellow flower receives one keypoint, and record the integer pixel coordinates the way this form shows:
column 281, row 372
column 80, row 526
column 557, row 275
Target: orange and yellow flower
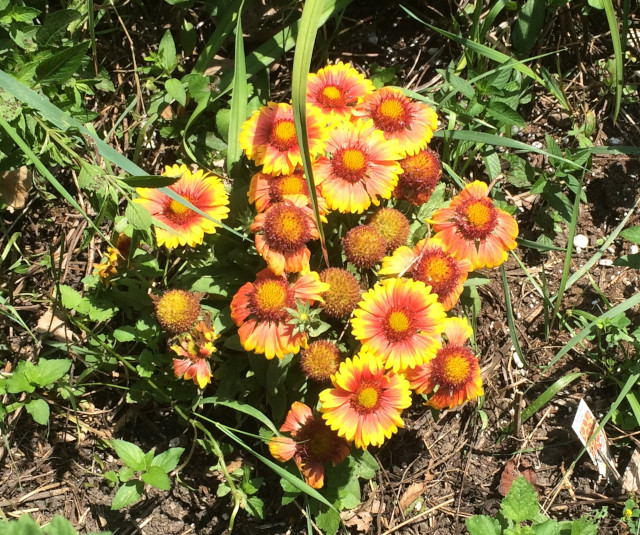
column 430, row 263
column 365, row 402
column 336, row 89
column 472, row 227
column 115, row 258
column 400, row 321
column 267, row 190
column 420, row 177
column 259, row 309
column 195, row 348
column 282, row 233
column 312, row 444
column 359, row 167
column 405, row 120
column 454, row 373
column 205, row 191
column 269, row 138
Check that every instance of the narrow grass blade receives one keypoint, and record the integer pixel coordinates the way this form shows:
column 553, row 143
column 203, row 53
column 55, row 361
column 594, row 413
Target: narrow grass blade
column 612, row 313
column 239, row 97
column 92, row 34
column 494, row 55
column 309, row 22
column 617, row 50
column 10, row 312
column 241, row 407
column 510, row 319
column 548, row 394
column 566, row 268
column 538, row 246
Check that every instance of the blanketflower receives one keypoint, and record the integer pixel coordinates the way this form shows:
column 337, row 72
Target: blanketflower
column 268, row 137
column 454, row 371
column 313, row 444
column 392, row 225
column 401, row 118
column 109, row 268
column 400, row 321
column 430, row 263
column 365, row 402
column 320, row 360
column 343, row 294
column 282, row 233
column 259, row 309
column 267, row 190
column 472, row 227
column 206, row 192
column 359, row 167
column 364, row 246
column 176, row 310
column 420, row 177
column 195, row 348
column 336, row 89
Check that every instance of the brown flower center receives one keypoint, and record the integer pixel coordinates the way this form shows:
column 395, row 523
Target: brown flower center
column 476, row 217
column 286, row 227
column 269, row 299
column 392, row 114
column 350, row 164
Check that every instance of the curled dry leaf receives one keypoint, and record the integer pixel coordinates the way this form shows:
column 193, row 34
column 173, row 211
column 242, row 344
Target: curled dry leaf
column 361, row 517
column 512, row 471
column 54, row 325
column 14, row 187
column 413, row 492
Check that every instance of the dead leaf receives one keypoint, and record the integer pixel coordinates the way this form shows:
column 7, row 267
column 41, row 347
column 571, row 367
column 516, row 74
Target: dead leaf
column 54, row 325
column 631, row 476
column 512, row 471
column 360, row 520
column 14, row 187
column 413, row 492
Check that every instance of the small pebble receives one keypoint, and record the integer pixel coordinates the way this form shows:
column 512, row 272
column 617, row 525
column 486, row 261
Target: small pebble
column 633, row 249
column 580, row 241
column 605, row 262
column 517, row 360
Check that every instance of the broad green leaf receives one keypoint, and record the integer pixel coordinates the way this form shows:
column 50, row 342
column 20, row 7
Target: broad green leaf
column 138, row 216
column 596, row 4
column 60, row 526
column 55, row 25
column 176, row 91
column 492, row 162
column 39, row 409
column 157, row 477
column 129, row 493
column 328, row 520
column 366, row 465
column 19, row 14
column 49, row 371
column 506, row 115
column 129, row 454
column 255, row 507
column 72, row 300
column 526, row 31
column 483, row 525
column 548, row 527
column 521, row 503
column 168, row 460
column 167, row 52
column 19, row 381
column 632, row 234
column 62, row 65
column 628, row 260
column 223, row 119
column 290, row 492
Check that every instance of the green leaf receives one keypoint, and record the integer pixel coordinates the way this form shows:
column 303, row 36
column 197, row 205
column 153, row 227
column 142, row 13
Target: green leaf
column 72, row 300
column 19, row 381
column 168, row 460
column 632, row 234
column 483, row 525
column 48, row 371
column 167, row 52
column 527, row 29
column 492, row 162
column 157, row 477
column 129, row 493
column 548, row 527
column 223, row 119
column 129, row 453
column 62, row 65
column 19, row 14
column 150, row 181
column 328, row 520
column 60, row 526
column 366, row 465
column 39, row 409
column 138, row 216
column 521, row 503
column 548, row 394
column 255, row 507
column 239, row 98
column 55, row 25
column 506, row 115
column 176, row 90
column 290, row 492
column 629, row 260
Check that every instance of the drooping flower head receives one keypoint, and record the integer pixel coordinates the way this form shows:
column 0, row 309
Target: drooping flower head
column 320, row 360
column 267, row 190
column 430, row 263
column 409, row 122
column 312, row 444
column 365, row 402
column 343, row 294
column 268, row 137
column 259, row 309
column 454, row 371
column 282, row 233
column 176, row 310
column 115, row 258
column 472, row 227
column 364, row 247
column 399, row 320
column 206, row 192
column 420, row 177
column 336, row 89
column 359, row 167
column 392, row 225
column 195, row 348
